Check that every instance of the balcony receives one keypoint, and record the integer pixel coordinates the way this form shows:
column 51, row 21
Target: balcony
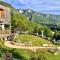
column 5, row 31
column 2, row 20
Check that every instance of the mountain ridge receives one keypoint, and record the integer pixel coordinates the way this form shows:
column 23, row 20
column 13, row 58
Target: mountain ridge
column 40, row 17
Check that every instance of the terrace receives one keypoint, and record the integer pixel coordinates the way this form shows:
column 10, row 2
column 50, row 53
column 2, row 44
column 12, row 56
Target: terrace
column 5, row 18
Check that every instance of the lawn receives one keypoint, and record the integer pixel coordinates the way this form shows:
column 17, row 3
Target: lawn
column 35, row 40
column 51, row 56
column 26, row 54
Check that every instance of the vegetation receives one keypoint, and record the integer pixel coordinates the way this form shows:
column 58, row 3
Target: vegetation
column 56, row 38
column 36, row 41
column 42, row 18
column 40, row 54
column 21, row 23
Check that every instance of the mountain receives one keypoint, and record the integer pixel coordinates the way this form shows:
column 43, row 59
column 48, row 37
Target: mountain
column 40, row 17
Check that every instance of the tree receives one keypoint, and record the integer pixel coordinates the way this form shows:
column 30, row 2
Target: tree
column 47, row 31
column 56, row 38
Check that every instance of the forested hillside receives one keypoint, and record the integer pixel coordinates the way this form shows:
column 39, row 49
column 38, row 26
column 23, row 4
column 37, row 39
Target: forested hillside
column 22, row 23
column 41, row 17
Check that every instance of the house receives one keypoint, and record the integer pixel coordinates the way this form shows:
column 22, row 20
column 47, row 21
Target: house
column 5, row 21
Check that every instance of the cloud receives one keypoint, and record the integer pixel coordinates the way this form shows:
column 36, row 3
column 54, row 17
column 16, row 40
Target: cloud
column 37, row 5
column 24, row 1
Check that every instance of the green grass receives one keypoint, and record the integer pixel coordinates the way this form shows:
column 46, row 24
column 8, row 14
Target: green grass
column 51, row 56
column 27, row 53
column 36, row 41
column 17, row 53
column 24, row 53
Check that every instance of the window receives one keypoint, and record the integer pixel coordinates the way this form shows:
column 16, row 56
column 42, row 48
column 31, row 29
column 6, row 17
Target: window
column 1, row 13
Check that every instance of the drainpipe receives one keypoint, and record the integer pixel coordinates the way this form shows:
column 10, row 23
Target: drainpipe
column 2, row 26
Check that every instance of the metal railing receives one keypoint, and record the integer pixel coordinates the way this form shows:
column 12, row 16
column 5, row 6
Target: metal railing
column 5, row 31
column 2, row 20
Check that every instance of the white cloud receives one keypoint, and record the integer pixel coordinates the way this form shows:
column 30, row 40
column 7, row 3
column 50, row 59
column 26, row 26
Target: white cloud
column 24, row 1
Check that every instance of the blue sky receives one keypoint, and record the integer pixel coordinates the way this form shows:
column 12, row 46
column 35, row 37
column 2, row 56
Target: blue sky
column 43, row 6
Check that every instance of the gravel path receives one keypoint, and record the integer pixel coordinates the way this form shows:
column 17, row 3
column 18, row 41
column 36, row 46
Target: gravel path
column 11, row 45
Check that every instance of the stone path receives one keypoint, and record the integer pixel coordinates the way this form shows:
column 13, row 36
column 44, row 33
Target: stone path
column 9, row 44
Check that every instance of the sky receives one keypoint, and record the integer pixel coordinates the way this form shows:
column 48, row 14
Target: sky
column 42, row 6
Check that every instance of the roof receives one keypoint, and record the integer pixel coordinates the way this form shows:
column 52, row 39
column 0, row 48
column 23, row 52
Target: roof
column 3, row 7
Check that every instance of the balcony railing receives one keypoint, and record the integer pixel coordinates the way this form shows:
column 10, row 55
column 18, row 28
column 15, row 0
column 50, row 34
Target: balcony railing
column 2, row 20
column 5, row 31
